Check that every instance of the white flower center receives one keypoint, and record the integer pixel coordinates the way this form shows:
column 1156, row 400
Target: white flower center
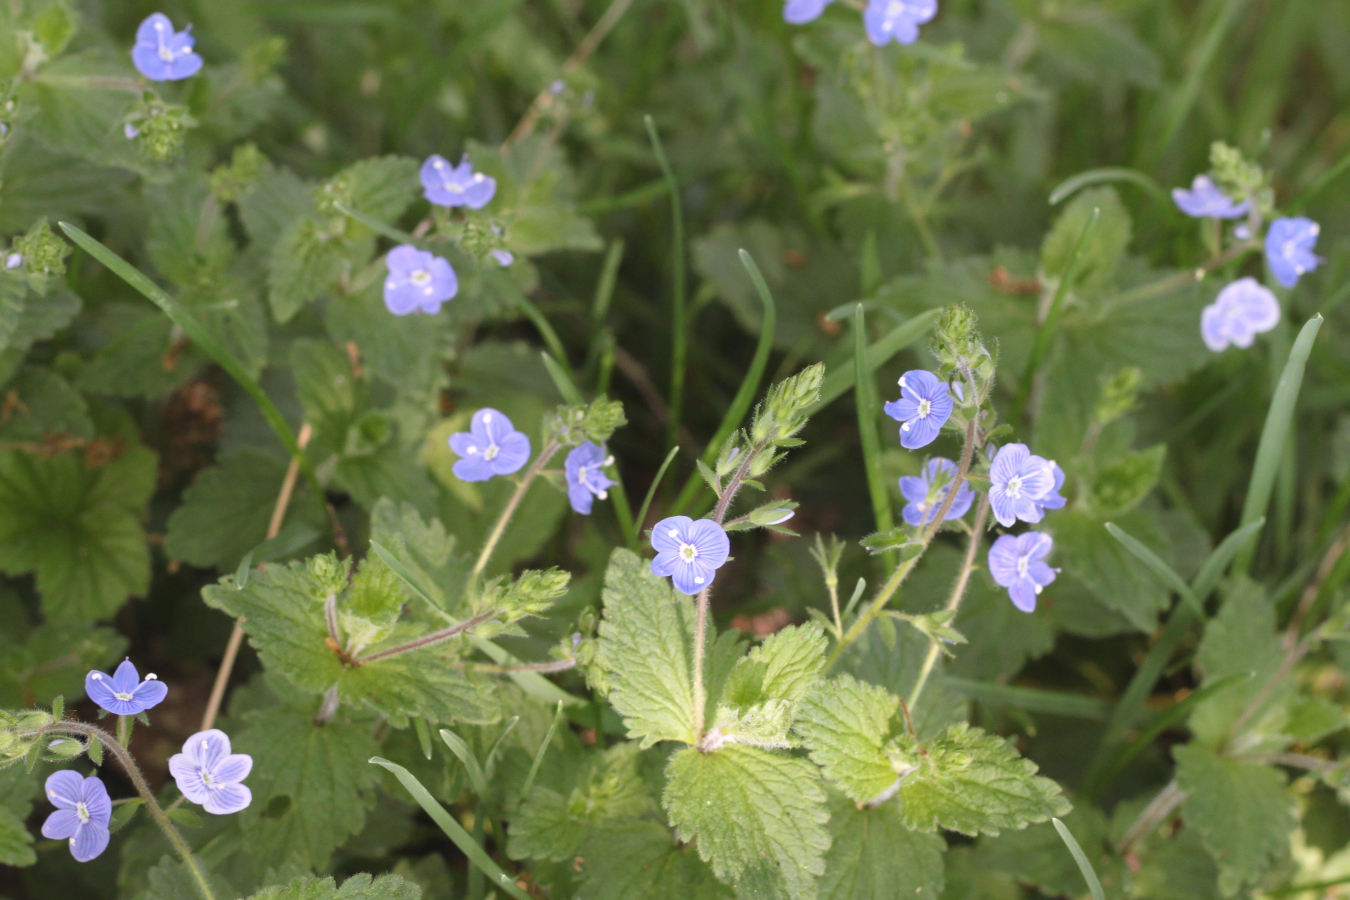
column 83, row 812
column 1014, row 486
column 421, row 278
column 688, row 552
column 895, row 8
column 925, row 407
column 491, row 451
column 165, row 53
column 122, row 696
column 207, row 778
column 1023, row 563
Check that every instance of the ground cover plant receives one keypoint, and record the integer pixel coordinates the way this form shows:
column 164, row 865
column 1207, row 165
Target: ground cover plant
column 674, row 449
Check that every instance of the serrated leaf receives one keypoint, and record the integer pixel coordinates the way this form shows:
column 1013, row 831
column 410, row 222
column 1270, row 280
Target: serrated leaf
column 784, row 667
column 757, row 817
column 1241, row 811
column 78, row 528
column 643, row 859
column 759, row 725
column 16, row 843
column 1105, row 246
column 358, row 887
column 1120, row 486
column 1241, row 638
column 977, row 783
column 646, row 652
column 53, row 659
column 873, row 856
column 305, row 262
column 40, row 403
column 844, row 724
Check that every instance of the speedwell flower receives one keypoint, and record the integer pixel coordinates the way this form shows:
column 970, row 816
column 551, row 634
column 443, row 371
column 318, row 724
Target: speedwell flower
column 1205, row 201
column 83, row 810
column 1242, row 310
column 927, row 492
column 208, row 774
column 123, row 693
column 162, row 54
column 897, row 20
column 491, row 446
column 923, row 408
column 1018, row 564
column 1289, row 248
column 586, row 480
column 417, row 280
column 799, row 12
column 1053, row 500
column 689, row 551
column 447, row 185
column 1019, row 481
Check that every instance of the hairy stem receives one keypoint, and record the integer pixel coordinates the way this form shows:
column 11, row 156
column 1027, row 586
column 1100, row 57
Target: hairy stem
column 1157, row 812
column 429, row 640
column 507, row 512
column 1181, row 279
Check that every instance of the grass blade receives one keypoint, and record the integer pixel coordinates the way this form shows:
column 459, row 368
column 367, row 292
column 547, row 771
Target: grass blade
column 1093, row 882
column 1073, row 185
column 199, row 335
column 1212, row 569
column 1052, row 703
column 406, row 576
column 680, row 328
column 423, row 735
column 1165, row 573
column 543, row 749
column 465, row 754
column 1275, row 435
column 453, row 830
column 561, row 380
column 490, row 762
column 865, row 397
column 841, row 380
column 647, row 501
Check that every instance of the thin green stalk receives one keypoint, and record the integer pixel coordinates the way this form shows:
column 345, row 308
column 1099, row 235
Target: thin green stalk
column 679, row 327
column 1179, row 280
column 865, row 397
column 647, row 501
column 840, row 379
column 1093, row 882
column 1336, row 171
column 507, row 512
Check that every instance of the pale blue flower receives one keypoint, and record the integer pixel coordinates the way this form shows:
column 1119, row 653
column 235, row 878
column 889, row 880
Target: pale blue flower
column 585, row 476
column 799, row 12
column 897, row 20
column 1242, row 310
column 123, row 693
column 1053, row 500
column 417, row 280
column 1289, row 248
column 1205, row 201
column 927, row 492
column 83, row 810
column 162, row 54
column 447, row 185
column 923, row 408
column 209, row 775
column 1018, row 564
column 491, row 446
column 689, row 552
column 1019, row 481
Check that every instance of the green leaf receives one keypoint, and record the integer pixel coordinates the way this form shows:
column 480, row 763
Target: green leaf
column 1241, row 810
column 645, row 652
column 784, row 667
column 873, row 856
column 643, row 859
column 1104, row 248
column 78, row 528
column 358, row 887
column 226, row 511
column 46, row 405
column 845, row 725
column 312, row 786
column 1114, row 576
column 1119, row 487
column 16, row 843
column 976, row 783
column 306, row 261
column 1037, row 856
column 1240, row 639
column 758, row 818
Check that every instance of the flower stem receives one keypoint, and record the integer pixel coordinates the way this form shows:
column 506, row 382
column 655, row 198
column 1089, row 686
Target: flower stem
column 510, row 510
column 429, row 640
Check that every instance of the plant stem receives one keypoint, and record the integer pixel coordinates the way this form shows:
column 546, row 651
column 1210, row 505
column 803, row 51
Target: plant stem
column 510, row 510
column 428, row 640
column 1181, row 279
column 1162, row 806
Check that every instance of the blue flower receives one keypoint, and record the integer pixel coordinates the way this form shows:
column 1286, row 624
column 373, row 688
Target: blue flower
column 208, row 774
column 924, row 407
column 689, row 551
column 1205, row 201
column 897, row 20
column 417, row 280
column 504, row 258
column 162, row 54
column 491, row 446
column 1019, row 482
column 1053, row 500
column 1018, row 564
column 799, row 12
column 447, row 185
column 13, row 261
column 83, row 810
column 123, row 693
column 927, row 492
column 585, row 478
column 1289, row 246
column 1242, row 310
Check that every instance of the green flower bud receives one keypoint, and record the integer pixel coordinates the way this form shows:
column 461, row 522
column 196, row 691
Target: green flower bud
column 231, row 182
column 329, row 573
column 64, row 748
column 1119, row 395
column 158, row 128
column 42, row 253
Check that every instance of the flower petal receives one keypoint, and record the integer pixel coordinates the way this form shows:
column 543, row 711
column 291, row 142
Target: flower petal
column 227, row 799
column 187, row 775
column 473, row 469
column 90, row 840
column 512, row 454
column 920, row 432
column 1023, row 594
column 96, row 800
column 1008, row 463
column 670, row 533
column 233, row 768
column 126, row 679
column 711, row 541
column 901, row 410
column 664, row 564
column 150, row 693
column 686, row 578
column 65, row 788
column 1003, row 560
column 914, row 489
column 98, row 687
column 61, row 824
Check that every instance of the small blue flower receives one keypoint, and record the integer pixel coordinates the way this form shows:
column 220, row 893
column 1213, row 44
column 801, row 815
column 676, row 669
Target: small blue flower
column 586, row 479
column 130, row 132
column 124, row 694
column 1242, row 310
column 491, row 446
column 504, row 258
column 208, row 774
column 927, row 492
column 897, row 20
column 799, row 12
column 417, row 280
column 447, row 185
column 924, row 407
column 13, row 261
column 1019, row 482
column 689, row 551
column 1053, row 500
column 1018, row 564
column 1289, row 248
column 162, row 54
column 83, row 810
column 1205, row 201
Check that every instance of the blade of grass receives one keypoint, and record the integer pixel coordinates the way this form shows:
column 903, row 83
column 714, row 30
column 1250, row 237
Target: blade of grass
column 543, row 749
column 490, row 761
column 468, row 758
column 841, row 380
column 453, row 830
column 199, row 335
column 561, row 380
column 647, row 501
column 1275, row 434
column 1162, row 570
column 679, row 327
column 407, row 577
column 865, row 398
column 1073, row 185
column 423, row 735
column 1327, row 177
column 1053, row 703
column 1212, row 568
column 1093, row 882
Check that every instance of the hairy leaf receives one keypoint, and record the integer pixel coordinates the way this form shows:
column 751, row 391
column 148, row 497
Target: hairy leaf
column 874, row 856
column 845, row 724
column 358, row 887
column 643, row 859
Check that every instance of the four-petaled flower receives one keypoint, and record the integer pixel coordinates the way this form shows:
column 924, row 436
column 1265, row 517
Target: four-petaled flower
column 162, row 54
column 1242, row 310
column 491, row 446
column 923, row 408
column 83, row 810
column 447, row 185
column 1289, row 248
column 586, row 479
column 927, row 492
column 123, row 693
column 1205, row 201
column 417, row 280
column 689, row 551
column 1019, row 483
column 799, row 12
column 1018, row 564
column 208, row 774
column 897, row 20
